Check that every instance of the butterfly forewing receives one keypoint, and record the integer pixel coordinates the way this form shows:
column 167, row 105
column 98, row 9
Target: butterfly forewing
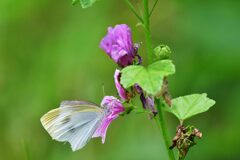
column 74, row 122
column 77, row 103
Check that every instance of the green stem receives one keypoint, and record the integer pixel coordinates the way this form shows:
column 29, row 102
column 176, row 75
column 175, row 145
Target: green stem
column 146, row 21
column 162, row 125
column 133, row 10
column 147, row 31
column 160, row 121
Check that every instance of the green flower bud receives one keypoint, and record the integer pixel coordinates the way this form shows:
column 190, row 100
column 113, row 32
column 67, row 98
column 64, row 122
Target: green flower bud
column 162, row 52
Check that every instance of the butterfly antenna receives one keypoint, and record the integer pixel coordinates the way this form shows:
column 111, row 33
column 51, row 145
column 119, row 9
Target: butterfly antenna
column 103, row 89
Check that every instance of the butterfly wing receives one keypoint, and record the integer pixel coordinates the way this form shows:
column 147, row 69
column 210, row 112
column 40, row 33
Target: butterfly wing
column 74, row 122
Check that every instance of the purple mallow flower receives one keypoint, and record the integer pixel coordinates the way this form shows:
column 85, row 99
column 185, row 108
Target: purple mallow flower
column 148, row 103
column 112, row 107
column 121, row 91
column 119, row 46
column 138, row 89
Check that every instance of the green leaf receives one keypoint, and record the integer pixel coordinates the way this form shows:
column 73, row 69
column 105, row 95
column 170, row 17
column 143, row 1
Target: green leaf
column 84, row 3
column 150, row 78
column 190, row 105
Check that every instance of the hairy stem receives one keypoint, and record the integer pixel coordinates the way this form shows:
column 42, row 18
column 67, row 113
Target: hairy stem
column 147, row 31
column 162, row 125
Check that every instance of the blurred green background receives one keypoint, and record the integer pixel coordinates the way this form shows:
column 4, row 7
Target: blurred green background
column 49, row 52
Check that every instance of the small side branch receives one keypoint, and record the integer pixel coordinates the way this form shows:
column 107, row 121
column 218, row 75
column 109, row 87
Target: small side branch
column 130, row 5
column 154, row 5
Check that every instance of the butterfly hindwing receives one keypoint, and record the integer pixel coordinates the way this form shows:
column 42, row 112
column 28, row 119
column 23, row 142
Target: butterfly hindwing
column 74, row 122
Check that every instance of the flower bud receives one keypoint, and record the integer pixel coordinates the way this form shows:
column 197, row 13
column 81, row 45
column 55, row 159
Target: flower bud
column 162, row 52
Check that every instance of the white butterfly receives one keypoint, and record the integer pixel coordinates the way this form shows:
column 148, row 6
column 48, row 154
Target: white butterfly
column 73, row 121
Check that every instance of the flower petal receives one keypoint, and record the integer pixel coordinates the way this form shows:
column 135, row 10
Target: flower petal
column 121, row 91
column 113, row 107
column 118, row 45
